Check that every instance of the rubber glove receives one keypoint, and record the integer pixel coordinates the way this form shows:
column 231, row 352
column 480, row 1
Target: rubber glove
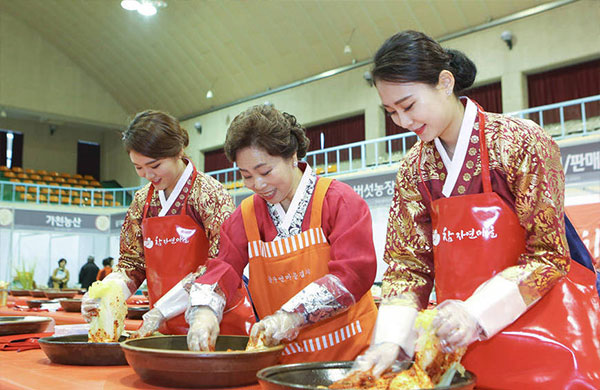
column 276, row 327
column 455, row 326
column 204, row 328
column 153, row 319
column 89, row 307
column 379, row 357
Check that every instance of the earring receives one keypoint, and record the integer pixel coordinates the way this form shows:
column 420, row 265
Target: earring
column 448, row 92
column 295, row 164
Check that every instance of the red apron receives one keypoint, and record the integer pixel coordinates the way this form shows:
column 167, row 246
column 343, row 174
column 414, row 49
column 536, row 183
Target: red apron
column 556, row 343
column 174, row 246
column 280, row 269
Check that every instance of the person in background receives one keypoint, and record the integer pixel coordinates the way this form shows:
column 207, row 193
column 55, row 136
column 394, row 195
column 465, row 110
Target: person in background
column 478, row 207
column 308, row 243
column 60, row 276
column 107, row 263
column 171, row 228
column 88, row 272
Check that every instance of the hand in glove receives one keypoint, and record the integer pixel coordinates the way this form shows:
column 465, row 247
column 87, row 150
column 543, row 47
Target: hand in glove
column 276, row 327
column 89, row 307
column 153, row 319
column 455, row 326
column 379, row 357
column 204, row 328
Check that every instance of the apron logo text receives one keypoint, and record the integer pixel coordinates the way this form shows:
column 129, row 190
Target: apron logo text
column 473, row 234
column 184, row 238
column 289, row 276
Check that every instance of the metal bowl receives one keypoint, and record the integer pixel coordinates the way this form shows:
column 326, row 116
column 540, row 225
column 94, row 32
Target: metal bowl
column 53, row 294
column 75, row 350
column 19, row 293
column 23, row 324
column 166, row 361
column 136, row 312
column 317, row 375
column 37, row 303
column 37, row 293
column 71, row 305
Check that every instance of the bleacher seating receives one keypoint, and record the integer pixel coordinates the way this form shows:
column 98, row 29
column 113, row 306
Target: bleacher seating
column 71, row 189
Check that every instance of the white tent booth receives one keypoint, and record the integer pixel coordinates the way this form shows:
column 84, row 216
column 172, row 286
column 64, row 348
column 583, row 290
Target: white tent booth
column 34, row 239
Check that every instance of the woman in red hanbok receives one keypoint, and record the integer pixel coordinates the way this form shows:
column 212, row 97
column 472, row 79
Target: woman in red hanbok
column 171, row 228
column 478, row 207
column 307, row 241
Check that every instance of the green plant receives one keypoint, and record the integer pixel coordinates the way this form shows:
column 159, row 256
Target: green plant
column 25, row 276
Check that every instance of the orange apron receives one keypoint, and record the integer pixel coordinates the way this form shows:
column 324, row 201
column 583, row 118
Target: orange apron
column 280, row 269
column 556, row 343
column 174, row 246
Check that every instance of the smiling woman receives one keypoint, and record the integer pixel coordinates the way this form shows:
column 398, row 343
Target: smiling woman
column 266, row 145
column 171, row 228
column 308, row 244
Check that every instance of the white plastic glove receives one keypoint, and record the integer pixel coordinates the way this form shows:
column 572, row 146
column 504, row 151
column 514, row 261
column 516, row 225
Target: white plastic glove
column 89, row 307
column 204, row 328
column 153, row 319
column 455, row 326
column 379, row 357
column 276, row 327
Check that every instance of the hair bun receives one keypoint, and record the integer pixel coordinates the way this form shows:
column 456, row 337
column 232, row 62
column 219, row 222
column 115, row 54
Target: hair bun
column 463, row 69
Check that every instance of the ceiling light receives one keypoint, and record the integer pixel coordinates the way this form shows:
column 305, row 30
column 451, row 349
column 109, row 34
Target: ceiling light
column 143, row 7
column 146, row 9
column 347, row 49
column 130, row 5
column 209, row 94
column 3, row 114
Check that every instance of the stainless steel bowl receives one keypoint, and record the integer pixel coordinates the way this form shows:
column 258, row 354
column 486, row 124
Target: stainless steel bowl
column 317, row 375
column 166, row 361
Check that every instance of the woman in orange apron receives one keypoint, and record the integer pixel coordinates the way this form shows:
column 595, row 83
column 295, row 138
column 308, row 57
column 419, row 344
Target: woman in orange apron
column 307, row 241
column 171, row 228
column 478, row 206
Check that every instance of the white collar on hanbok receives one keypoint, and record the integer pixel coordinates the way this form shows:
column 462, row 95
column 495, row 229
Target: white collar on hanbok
column 165, row 203
column 287, row 217
column 454, row 165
